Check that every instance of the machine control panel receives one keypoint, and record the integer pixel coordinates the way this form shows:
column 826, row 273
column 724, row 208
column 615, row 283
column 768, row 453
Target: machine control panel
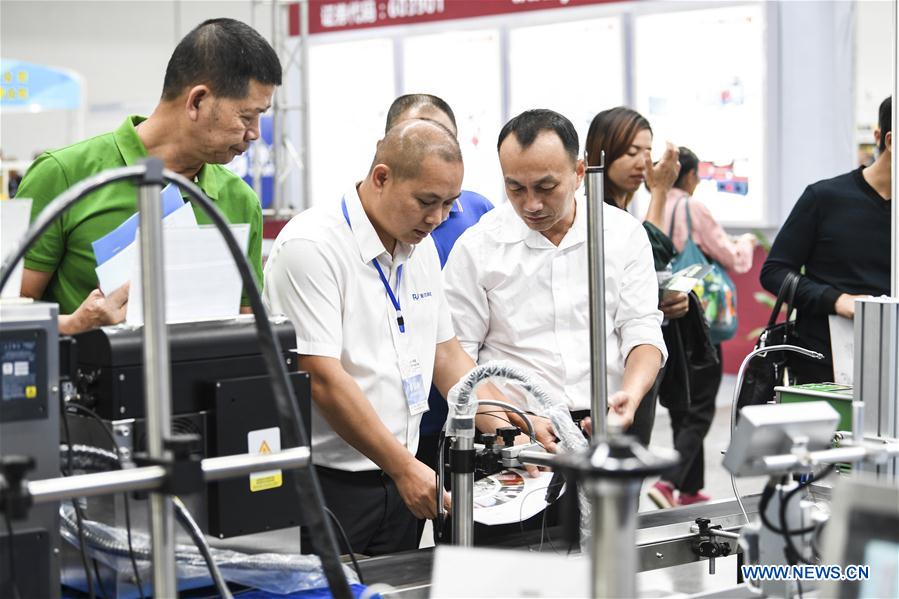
column 23, row 372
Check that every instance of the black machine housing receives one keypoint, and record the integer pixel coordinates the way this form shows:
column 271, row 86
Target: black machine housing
column 220, row 391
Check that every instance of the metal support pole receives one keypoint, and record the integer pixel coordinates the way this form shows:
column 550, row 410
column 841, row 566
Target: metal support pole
column 231, row 466
column 463, row 498
column 277, row 120
column 147, row 478
column 157, row 384
column 894, row 288
column 597, row 285
column 306, row 132
column 613, row 562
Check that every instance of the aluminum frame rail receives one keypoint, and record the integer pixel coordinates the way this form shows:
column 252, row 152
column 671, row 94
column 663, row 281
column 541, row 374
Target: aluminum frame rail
column 596, row 277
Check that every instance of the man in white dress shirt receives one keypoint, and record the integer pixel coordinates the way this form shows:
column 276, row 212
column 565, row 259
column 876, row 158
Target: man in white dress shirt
column 360, row 279
column 517, row 281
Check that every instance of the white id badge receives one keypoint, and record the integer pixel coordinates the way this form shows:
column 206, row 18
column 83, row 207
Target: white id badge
column 414, row 386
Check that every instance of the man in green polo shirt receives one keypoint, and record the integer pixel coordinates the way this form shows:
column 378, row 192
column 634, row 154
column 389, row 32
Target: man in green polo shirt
column 218, row 82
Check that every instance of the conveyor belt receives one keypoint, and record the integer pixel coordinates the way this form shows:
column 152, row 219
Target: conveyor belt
column 663, row 539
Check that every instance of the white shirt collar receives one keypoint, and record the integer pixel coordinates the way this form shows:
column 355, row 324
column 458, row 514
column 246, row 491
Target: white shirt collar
column 370, row 245
column 517, row 230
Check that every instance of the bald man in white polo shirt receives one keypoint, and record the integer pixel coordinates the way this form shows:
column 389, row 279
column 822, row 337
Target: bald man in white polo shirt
column 360, row 279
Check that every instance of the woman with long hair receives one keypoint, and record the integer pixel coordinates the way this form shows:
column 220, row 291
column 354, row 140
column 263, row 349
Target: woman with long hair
column 624, row 137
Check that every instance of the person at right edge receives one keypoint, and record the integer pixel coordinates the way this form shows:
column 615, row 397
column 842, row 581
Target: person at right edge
column 839, row 231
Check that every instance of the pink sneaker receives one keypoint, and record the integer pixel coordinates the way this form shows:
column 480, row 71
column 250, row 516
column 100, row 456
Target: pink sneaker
column 662, row 494
column 691, row 498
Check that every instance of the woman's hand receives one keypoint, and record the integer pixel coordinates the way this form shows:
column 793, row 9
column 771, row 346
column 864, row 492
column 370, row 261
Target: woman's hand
column 664, row 173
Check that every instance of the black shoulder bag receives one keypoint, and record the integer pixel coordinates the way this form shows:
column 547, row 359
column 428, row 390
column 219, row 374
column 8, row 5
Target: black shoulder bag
column 767, row 371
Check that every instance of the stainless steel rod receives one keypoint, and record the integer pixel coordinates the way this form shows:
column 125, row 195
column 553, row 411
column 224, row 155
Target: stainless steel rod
column 894, row 166
column 306, row 128
column 779, row 463
column 717, row 532
column 597, row 287
column 463, row 500
column 858, row 422
column 99, row 483
column 147, row 478
column 613, row 560
column 237, row 465
column 277, row 117
column 537, row 458
column 157, row 386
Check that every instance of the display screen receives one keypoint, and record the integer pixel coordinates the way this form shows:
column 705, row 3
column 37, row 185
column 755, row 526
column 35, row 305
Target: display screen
column 874, row 541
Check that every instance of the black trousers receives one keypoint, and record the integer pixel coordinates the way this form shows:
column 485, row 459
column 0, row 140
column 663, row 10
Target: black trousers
column 370, row 510
column 690, row 425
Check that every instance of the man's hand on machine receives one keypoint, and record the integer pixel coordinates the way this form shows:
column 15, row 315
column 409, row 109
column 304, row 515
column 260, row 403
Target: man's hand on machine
column 543, row 430
column 417, row 485
column 622, row 407
column 621, row 413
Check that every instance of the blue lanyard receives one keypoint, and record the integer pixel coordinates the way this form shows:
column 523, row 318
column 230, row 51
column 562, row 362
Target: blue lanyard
column 399, row 275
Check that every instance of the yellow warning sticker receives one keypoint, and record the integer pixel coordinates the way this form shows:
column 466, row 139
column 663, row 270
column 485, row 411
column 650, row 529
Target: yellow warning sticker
column 260, row 442
column 30, row 391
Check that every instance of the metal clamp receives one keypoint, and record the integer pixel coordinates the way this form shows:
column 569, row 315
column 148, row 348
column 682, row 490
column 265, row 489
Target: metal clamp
column 705, row 546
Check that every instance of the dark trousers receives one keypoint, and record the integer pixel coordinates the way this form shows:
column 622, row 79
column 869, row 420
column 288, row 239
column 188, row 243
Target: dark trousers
column 370, row 510
column 690, row 424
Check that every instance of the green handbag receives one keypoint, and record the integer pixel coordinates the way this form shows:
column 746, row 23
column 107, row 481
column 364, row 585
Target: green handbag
column 716, row 290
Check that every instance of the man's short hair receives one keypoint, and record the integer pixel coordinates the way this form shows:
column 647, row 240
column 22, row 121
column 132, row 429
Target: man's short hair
column 410, row 101
column 406, row 146
column 528, row 125
column 225, row 55
column 885, row 121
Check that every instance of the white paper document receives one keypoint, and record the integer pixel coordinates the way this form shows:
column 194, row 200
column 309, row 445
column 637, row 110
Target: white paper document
column 201, row 279
column 14, row 218
column 509, row 496
column 460, row 572
column 117, row 271
column 842, row 346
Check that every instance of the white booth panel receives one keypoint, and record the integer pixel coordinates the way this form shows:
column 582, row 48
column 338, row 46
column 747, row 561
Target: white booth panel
column 350, row 90
column 463, row 68
column 699, row 78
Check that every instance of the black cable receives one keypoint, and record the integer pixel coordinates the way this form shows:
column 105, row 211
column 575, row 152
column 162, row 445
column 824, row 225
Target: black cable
column 103, row 592
column 346, row 541
column 13, row 583
column 286, row 404
column 287, row 407
column 793, row 553
column 78, row 516
column 118, row 450
column 767, row 493
column 543, row 525
column 192, row 528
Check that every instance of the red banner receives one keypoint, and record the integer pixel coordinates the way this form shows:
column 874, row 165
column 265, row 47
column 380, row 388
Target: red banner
column 343, row 15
